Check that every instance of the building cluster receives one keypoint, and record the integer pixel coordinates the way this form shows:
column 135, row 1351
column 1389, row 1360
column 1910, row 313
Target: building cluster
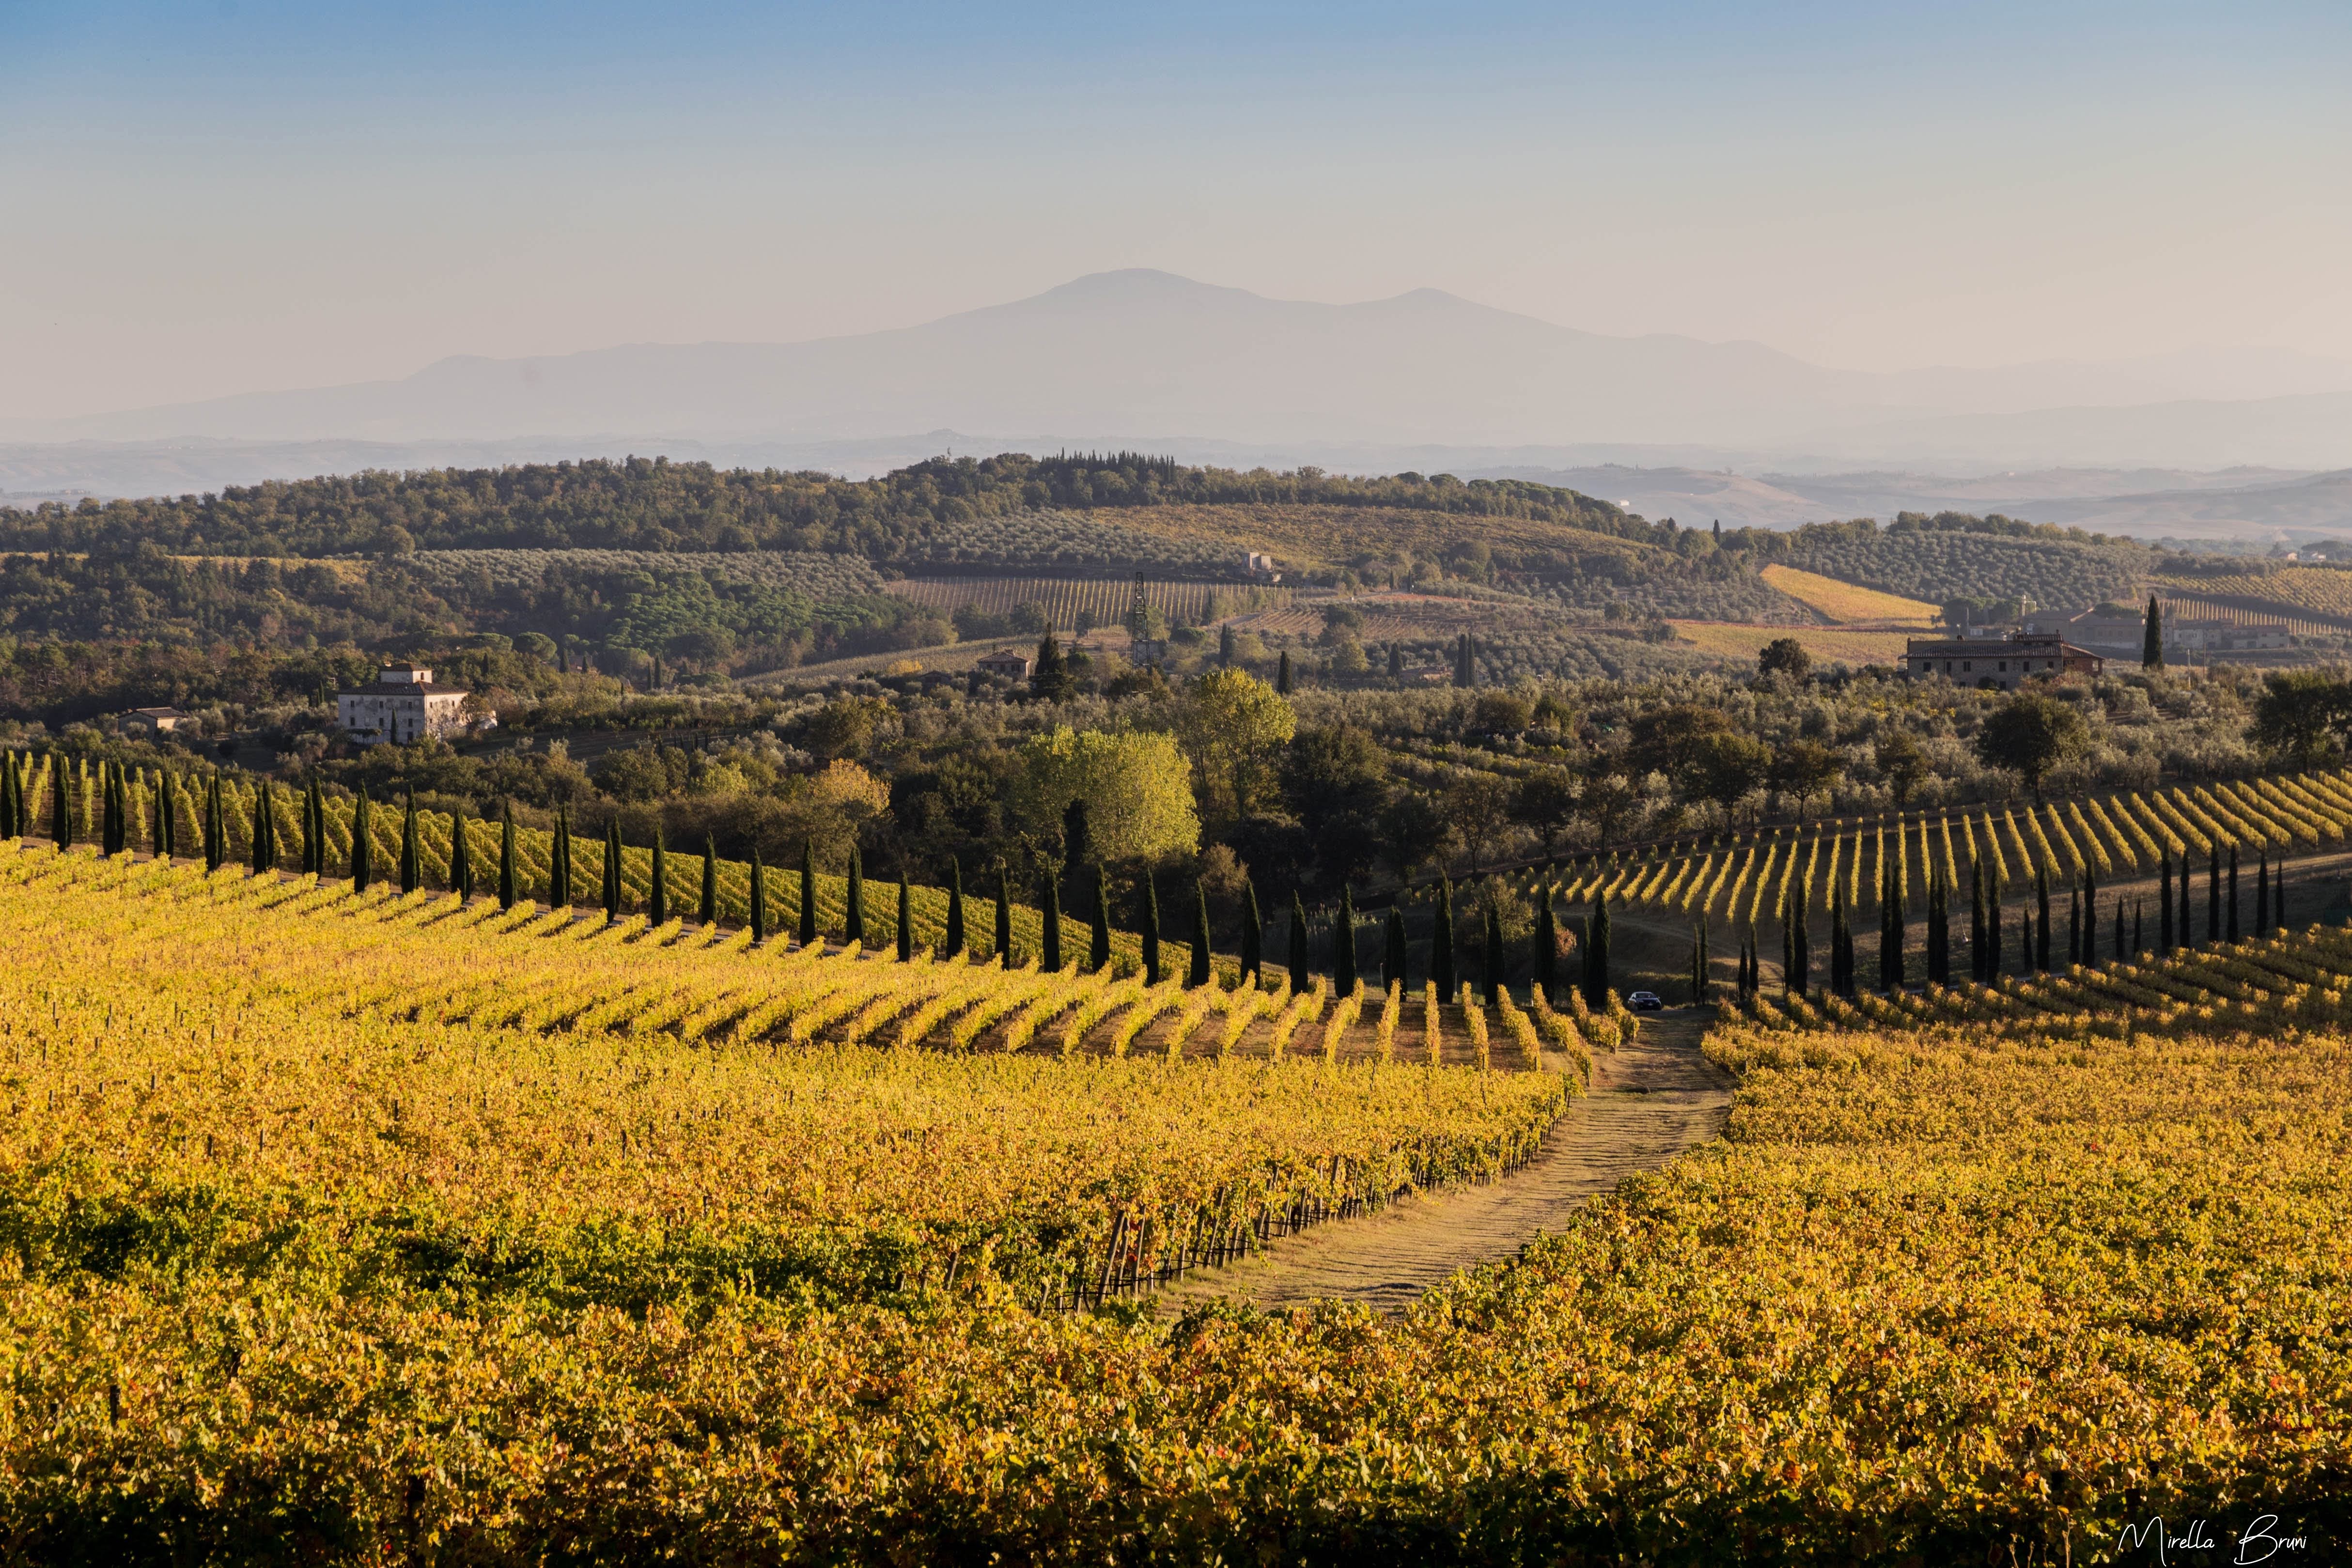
column 2004, row 657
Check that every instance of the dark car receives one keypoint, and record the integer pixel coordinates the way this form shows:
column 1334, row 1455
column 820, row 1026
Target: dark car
column 1644, row 1002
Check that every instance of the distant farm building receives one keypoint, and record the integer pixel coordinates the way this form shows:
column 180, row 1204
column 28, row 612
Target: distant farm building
column 1004, row 661
column 401, row 706
column 156, row 721
column 2003, row 665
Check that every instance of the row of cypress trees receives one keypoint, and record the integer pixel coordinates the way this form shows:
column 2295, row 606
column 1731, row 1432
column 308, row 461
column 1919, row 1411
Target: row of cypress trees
column 2036, row 941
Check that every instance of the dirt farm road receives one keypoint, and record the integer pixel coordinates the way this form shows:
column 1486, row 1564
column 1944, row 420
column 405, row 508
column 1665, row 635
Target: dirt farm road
column 1650, row 1101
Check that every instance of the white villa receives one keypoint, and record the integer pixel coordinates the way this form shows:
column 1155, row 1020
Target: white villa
column 401, row 705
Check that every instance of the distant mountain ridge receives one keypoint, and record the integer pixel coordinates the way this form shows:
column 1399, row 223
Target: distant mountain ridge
column 1137, row 353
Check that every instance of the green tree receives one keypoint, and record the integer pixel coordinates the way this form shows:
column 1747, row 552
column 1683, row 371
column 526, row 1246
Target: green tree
column 2151, row 648
column 1784, row 656
column 1902, row 762
column 1805, row 768
column 1726, row 769
column 1544, row 801
column 2300, row 713
column 2029, row 734
column 1136, row 787
column 1231, row 725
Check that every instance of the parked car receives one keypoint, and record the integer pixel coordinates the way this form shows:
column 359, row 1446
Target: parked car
column 1643, row 1002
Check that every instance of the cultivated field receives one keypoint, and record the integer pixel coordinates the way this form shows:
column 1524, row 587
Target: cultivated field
column 1105, row 599
column 1731, row 640
column 1846, row 603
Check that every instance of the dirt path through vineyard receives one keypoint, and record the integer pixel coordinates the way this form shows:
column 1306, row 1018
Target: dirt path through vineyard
column 1649, row 1102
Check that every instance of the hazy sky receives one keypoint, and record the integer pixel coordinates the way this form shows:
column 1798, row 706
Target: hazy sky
column 204, row 198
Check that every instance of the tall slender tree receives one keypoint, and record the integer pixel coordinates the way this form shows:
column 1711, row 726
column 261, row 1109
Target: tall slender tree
column 951, row 945
column 1049, row 922
column 2151, row 648
column 1597, row 955
column 853, row 918
column 1150, row 930
column 2213, row 893
column 1977, row 969
column 1396, row 952
column 1004, row 935
column 1440, row 943
column 1298, row 942
column 706, row 909
column 906, row 924
column 60, row 805
column 807, row 932
column 412, row 861
column 2041, row 911
column 1940, row 930
column 1098, row 925
column 759, row 898
column 2233, row 892
column 2164, row 901
column 265, row 827
column 2139, row 936
column 2122, row 952
column 1496, row 961
column 2188, row 927
column 2262, row 896
column 362, row 847
column 461, row 857
column 1199, row 972
column 614, row 889
column 2075, row 953
column 2278, row 894
column 1252, row 934
column 559, row 861
column 1343, row 944
column 1544, row 974
column 657, row 881
column 509, row 865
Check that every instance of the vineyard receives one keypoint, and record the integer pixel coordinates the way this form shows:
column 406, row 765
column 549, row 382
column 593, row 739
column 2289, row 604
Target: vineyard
column 2179, row 607
column 1750, row 878
column 305, row 1250
column 2324, row 591
column 1844, row 603
column 1105, row 601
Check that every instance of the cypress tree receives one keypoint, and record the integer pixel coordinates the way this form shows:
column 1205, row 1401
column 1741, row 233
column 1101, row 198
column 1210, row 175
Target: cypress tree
column 2122, row 952
column 951, row 945
column 1992, row 928
column 1597, row 955
column 2164, row 901
column 1841, row 942
column 461, row 857
column 60, row 805
column 363, row 849
column 2262, row 896
column 2042, row 932
column 2151, row 648
column 2278, row 892
column 758, row 899
column 2233, row 892
column 1252, row 934
column 106, row 826
column 1199, row 972
column 509, row 871
column 2139, row 933
column 1890, row 930
column 1494, row 956
column 1298, row 942
column 1004, row 917
column 1395, row 951
column 1049, row 923
column 8, row 829
column 2075, row 953
column 611, row 873
column 1976, row 921
column 706, row 911
column 1797, row 942
column 2213, row 894
column 1150, row 930
column 1343, row 945
column 853, row 919
column 1546, row 969
column 1098, row 928
column 1698, row 963
column 1282, row 674
column 2188, row 927
column 657, row 881
column 907, row 923
column 412, row 869
column 808, row 893
column 559, row 862
column 1940, row 930
column 1440, row 942
column 264, row 846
